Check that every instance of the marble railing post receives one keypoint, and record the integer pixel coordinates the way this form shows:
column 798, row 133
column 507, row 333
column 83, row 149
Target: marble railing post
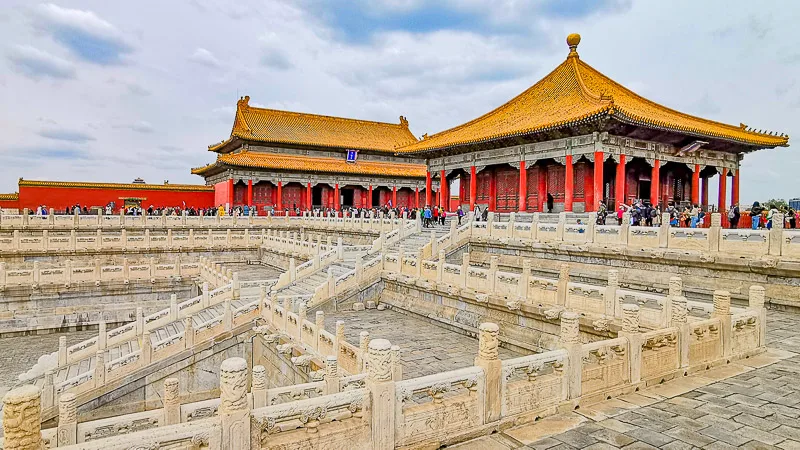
column 663, row 231
column 756, row 303
column 715, row 231
column 102, row 335
column 100, row 368
column 22, row 425
column 319, row 322
column 338, row 338
column 139, row 321
column 235, row 286
column 440, row 267
column 563, row 285
column 146, row 348
column 259, row 387
column 67, row 433
column 331, row 375
column 776, row 235
column 630, row 330
column 206, row 300
column 363, row 345
column 679, row 320
column 172, row 402
column 383, row 396
column 62, row 351
column 48, row 389
column 464, row 269
column 227, row 316
column 562, row 222
column 492, row 278
column 173, row 307
column 188, row 332
column 610, row 293
column 722, row 310
column 523, row 280
column 292, row 270
column 571, row 341
column 624, row 229
column 2, row 274
column 488, row 359
column 397, row 373
column 234, row 409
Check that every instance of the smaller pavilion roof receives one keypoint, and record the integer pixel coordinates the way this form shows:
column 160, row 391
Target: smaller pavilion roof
column 293, row 128
column 299, row 163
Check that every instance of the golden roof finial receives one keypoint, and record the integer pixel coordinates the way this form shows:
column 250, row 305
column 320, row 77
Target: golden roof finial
column 573, row 40
column 404, row 121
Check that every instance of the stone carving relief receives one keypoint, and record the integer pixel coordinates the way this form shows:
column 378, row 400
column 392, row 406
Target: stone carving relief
column 488, row 341
column 233, row 385
column 380, row 360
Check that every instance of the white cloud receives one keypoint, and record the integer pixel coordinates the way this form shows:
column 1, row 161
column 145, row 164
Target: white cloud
column 36, row 63
column 205, row 57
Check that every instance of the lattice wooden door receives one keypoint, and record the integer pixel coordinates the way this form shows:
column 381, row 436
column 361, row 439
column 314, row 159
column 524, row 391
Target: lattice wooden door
column 533, row 189
column 292, row 196
column 484, row 180
column 507, row 189
column 555, row 182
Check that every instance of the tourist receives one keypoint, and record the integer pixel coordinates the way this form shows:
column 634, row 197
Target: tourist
column 733, row 217
column 755, row 215
column 435, row 215
column 477, row 215
column 460, row 214
column 428, row 216
column 770, row 215
column 791, row 218
column 550, row 201
column 695, row 216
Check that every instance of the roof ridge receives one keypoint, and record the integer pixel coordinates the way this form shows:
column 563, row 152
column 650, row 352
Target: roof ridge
column 324, row 116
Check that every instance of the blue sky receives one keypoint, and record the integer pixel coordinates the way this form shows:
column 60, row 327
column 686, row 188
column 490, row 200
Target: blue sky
column 111, row 91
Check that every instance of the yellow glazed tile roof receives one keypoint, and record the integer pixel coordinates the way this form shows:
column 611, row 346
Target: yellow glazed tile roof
column 10, row 197
column 301, row 163
column 575, row 92
column 128, row 186
column 285, row 127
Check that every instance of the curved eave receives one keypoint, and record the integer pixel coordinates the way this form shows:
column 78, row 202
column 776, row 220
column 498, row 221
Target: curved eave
column 775, row 141
column 586, row 118
column 313, row 144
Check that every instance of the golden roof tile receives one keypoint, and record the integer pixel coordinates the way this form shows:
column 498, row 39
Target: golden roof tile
column 575, row 92
column 301, row 163
column 124, row 186
column 285, row 127
column 10, row 197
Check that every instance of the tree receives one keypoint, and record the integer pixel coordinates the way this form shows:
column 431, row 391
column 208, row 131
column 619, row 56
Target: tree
column 777, row 203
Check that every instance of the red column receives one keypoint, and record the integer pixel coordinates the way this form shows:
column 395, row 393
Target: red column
column 230, row 192
column 416, row 197
column 336, row 197
column 655, row 182
column 443, row 194
column 599, row 159
column 249, row 192
column 523, row 186
column 588, row 190
column 569, row 179
column 619, row 183
column 493, row 191
column 394, row 196
column 308, row 196
column 279, row 199
column 735, row 190
column 542, row 188
column 723, row 191
column 428, row 188
column 704, row 198
column 473, row 187
column 696, row 185
column 369, row 197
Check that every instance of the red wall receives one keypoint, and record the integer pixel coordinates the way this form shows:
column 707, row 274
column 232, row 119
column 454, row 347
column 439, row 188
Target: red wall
column 9, row 204
column 60, row 197
column 221, row 194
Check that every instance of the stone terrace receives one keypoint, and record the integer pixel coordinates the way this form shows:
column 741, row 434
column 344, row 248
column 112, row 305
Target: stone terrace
column 425, row 348
column 752, row 403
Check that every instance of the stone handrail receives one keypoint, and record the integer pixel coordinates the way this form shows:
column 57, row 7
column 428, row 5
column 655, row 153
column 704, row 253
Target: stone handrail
column 714, row 240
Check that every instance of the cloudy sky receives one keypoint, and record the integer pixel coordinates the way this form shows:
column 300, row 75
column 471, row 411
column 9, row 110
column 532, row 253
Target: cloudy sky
column 110, row 91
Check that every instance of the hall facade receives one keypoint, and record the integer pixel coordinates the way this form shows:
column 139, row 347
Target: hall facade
column 569, row 142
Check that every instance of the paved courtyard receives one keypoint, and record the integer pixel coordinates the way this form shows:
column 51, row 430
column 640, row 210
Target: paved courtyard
column 425, row 348
column 751, row 404
column 252, row 272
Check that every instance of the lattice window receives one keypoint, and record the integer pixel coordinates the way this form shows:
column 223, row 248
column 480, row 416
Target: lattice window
column 555, row 182
column 405, row 198
column 579, row 184
column 239, row 194
column 484, row 180
column 293, row 196
column 262, row 193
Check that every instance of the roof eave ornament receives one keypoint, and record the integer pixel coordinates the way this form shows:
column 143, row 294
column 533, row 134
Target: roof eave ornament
column 572, row 41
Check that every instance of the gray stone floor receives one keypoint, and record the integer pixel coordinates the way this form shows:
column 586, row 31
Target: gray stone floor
column 251, row 272
column 20, row 353
column 751, row 404
column 425, row 348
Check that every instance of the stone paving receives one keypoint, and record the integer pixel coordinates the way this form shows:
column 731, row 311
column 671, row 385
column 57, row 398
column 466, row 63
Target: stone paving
column 425, row 348
column 751, row 404
column 252, row 272
column 20, row 353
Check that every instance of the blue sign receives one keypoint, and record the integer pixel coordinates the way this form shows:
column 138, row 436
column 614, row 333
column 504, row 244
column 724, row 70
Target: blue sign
column 352, row 155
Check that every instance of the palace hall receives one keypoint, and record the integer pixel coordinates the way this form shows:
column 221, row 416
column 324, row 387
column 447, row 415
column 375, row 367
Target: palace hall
column 574, row 139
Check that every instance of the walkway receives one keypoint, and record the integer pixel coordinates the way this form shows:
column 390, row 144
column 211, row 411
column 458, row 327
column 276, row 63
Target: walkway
column 751, row 404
